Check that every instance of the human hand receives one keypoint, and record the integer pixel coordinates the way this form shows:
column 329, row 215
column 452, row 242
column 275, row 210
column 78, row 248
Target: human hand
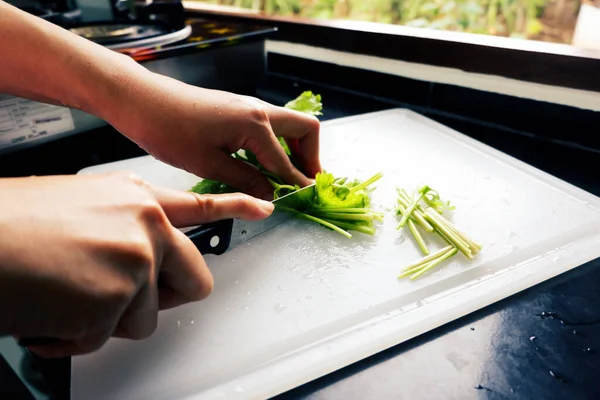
column 198, row 129
column 81, row 257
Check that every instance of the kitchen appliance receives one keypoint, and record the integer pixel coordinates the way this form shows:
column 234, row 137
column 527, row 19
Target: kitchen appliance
column 159, row 36
column 301, row 301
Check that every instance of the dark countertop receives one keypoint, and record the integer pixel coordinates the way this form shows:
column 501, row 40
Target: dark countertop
column 507, row 350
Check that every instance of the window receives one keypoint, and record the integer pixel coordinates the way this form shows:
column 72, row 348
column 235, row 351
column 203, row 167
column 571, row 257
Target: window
column 559, row 21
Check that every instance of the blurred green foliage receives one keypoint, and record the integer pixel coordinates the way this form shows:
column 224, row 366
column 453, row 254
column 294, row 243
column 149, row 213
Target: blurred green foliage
column 514, row 18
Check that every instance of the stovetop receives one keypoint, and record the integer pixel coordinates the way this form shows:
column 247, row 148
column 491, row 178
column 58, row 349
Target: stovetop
column 204, row 34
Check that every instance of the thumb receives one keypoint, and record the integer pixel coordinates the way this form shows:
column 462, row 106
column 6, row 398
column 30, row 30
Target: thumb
column 185, row 209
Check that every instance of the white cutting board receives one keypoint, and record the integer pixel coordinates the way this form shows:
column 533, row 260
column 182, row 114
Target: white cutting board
column 301, row 301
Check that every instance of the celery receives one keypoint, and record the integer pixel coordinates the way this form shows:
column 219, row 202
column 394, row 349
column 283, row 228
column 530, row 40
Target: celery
column 430, row 216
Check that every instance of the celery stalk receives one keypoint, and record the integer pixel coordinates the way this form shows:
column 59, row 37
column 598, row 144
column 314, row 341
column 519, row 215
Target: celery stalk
column 416, row 215
column 430, row 257
column 418, row 238
column 434, row 263
column 473, row 244
column 325, row 223
column 410, row 209
column 451, row 236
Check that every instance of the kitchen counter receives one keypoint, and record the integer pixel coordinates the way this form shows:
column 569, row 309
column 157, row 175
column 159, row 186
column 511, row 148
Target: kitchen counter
column 541, row 343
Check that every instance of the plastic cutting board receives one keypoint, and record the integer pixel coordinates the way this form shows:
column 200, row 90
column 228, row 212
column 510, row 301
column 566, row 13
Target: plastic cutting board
column 301, row 301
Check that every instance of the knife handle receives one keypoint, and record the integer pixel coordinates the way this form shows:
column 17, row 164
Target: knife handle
column 212, row 238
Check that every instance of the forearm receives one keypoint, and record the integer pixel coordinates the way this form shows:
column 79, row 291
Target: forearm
column 41, row 61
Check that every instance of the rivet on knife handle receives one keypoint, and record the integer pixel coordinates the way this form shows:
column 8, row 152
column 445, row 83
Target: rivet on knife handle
column 212, row 238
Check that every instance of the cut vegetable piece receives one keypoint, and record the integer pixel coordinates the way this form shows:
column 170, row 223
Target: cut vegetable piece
column 475, row 247
column 417, row 215
column 325, row 223
column 416, row 269
column 418, row 237
column 451, row 236
column 412, row 206
column 434, row 263
column 430, row 257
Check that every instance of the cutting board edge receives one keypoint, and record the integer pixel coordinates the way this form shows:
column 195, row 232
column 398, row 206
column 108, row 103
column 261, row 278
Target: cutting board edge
column 329, row 364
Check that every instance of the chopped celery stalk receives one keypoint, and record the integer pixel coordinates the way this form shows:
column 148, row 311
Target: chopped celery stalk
column 451, row 236
column 417, row 215
column 434, row 263
column 415, row 232
column 349, row 216
column 418, row 237
column 411, row 208
column 345, row 210
column 473, row 244
column 351, row 227
column 366, row 183
column 325, row 223
column 430, row 257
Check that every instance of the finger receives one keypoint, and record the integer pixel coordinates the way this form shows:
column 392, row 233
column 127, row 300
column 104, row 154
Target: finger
column 140, row 319
column 301, row 132
column 187, row 209
column 240, row 175
column 272, row 156
column 184, row 273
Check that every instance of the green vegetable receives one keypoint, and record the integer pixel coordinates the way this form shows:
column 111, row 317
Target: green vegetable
column 307, row 103
column 339, row 204
column 430, row 217
column 344, row 205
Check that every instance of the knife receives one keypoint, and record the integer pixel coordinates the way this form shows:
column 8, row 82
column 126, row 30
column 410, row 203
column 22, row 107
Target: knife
column 221, row 236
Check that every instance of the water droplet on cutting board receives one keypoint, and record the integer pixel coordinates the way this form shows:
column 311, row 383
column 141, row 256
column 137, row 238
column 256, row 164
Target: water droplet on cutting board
column 281, row 287
column 246, row 308
column 192, row 322
column 400, row 239
column 238, row 389
column 178, row 324
column 279, row 307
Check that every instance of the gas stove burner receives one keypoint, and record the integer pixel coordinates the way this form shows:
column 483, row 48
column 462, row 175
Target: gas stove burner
column 113, row 32
column 131, row 36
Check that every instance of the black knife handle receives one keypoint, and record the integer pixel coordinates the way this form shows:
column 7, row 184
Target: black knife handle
column 212, row 238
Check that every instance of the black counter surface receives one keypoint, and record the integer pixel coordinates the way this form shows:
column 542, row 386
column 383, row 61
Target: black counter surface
column 543, row 343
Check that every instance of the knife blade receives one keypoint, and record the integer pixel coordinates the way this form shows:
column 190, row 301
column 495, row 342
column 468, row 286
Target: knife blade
column 221, row 236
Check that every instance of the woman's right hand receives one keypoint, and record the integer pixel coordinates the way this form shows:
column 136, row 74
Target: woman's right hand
column 81, row 256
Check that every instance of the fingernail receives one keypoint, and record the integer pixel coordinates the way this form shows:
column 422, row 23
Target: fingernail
column 266, row 206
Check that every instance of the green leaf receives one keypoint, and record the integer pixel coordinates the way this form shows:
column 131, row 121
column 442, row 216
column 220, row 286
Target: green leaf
column 307, row 103
column 208, row 186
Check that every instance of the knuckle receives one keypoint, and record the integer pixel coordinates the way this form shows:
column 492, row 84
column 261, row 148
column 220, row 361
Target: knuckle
column 152, row 213
column 257, row 113
column 206, row 204
column 241, row 201
column 130, row 177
